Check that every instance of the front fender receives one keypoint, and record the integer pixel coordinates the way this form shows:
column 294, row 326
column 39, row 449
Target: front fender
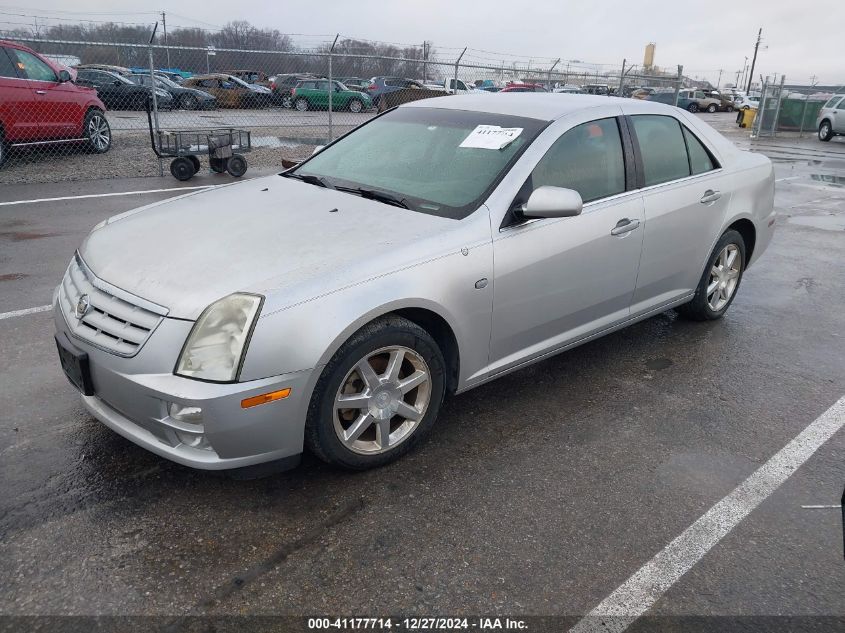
column 306, row 335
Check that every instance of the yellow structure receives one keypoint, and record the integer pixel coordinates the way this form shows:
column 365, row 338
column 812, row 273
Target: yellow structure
column 648, row 59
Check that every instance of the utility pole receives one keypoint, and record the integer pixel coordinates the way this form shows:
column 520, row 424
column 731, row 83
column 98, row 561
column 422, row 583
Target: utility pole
column 425, row 62
column 164, row 27
column 754, row 60
column 719, row 80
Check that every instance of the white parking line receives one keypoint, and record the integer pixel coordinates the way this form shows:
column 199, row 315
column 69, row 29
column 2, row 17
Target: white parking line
column 24, row 312
column 639, row 593
column 105, row 195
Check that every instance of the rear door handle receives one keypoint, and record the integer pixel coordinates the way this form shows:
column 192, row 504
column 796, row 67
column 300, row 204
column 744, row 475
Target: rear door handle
column 710, row 196
column 41, row 92
column 624, row 226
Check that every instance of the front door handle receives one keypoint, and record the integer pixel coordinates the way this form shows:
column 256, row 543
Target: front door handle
column 624, row 226
column 41, row 92
column 710, row 196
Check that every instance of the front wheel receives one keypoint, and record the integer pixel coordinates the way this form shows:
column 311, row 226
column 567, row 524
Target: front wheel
column 189, row 102
column 97, row 132
column 711, row 108
column 378, row 396
column 719, row 282
column 729, row 109
column 355, row 105
column 301, row 104
column 825, row 131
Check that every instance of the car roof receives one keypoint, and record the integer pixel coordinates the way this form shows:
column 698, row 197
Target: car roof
column 546, row 106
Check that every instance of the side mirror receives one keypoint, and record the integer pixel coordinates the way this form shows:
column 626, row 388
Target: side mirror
column 64, row 76
column 317, row 149
column 552, row 202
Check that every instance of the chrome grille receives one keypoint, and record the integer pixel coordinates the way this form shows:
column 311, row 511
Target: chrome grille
column 114, row 320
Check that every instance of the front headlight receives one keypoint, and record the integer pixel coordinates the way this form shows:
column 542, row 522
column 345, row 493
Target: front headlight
column 218, row 339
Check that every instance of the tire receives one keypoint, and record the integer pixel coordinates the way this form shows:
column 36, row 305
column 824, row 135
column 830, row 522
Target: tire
column 287, row 102
column 189, row 102
column 97, row 131
column 218, row 165
column 4, row 151
column 693, row 107
column 746, row 107
column 374, row 345
column 355, row 105
column 729, row 109
column 301, row 104
column 825, row 131
column 704, row 307
column 236, row 165
column 196, row 162
column 182, row 168
column 712, row 108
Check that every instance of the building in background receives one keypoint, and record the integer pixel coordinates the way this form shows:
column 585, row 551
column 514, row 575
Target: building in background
column 648, row 58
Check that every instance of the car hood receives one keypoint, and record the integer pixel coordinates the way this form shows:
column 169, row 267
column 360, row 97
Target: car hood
column 275, row 236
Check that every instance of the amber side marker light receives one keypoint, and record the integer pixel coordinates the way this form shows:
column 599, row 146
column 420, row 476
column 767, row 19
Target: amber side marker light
column 264, row 398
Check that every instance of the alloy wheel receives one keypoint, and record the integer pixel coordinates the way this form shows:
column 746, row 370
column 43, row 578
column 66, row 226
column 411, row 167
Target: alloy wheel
column 99, row 133
column 724, row 277
column 382, row 400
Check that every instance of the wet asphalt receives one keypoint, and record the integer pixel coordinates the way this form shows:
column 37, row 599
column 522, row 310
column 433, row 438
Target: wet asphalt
column 537, row 494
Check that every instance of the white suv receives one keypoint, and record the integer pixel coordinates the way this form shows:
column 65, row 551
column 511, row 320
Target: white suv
column 831, row 119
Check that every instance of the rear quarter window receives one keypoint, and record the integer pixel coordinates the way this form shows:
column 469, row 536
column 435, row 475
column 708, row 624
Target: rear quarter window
column 7, row 68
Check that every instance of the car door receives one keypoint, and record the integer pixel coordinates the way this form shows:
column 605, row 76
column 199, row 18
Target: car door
column 17, row 101
column 56, row 111
column 559, row 280
column 686, row 195
column 102, row 82
column 320, row 96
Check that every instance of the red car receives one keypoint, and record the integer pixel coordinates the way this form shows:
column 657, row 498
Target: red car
column 523, row 88
column 40, row 104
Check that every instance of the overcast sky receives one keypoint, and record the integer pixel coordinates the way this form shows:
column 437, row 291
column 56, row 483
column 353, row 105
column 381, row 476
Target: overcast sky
column 703, row 36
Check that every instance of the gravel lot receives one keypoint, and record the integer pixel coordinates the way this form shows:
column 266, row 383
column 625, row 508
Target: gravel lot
column 276, row 134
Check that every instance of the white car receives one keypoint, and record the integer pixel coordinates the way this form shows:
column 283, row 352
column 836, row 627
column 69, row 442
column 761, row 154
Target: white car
column 744, row 103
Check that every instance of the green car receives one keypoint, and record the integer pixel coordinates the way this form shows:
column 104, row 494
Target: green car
column 314, row 95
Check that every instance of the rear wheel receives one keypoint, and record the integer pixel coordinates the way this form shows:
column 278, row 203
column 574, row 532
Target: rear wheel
column 719, row 282
column 301, row 104
column 730, row 108
column 378, row 396
column 825, row 131
column 97, row 131
column 195, row 161
column 355, row 105
column 217, row 165
column 711, row 108
column 693, row 107
column 4, row 150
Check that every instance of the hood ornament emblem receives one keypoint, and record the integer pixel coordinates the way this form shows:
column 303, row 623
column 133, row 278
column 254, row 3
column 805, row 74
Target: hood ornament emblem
column 82, row 307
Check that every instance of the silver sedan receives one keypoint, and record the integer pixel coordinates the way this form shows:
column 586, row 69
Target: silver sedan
column 437, row 247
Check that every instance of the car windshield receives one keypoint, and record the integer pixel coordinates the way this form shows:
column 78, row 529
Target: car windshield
column 165, row 82
column 415, row 154
column 240, row 82
column 121, row 78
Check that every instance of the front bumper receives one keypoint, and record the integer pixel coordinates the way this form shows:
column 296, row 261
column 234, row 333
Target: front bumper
column 133, row 396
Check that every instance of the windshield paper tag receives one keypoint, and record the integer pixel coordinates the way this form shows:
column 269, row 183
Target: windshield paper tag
column 491, row 137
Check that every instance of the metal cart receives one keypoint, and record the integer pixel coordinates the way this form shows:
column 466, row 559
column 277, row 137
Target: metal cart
column 225, row 148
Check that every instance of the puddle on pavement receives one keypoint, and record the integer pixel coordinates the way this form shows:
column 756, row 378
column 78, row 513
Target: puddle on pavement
column 823, row 222
column 836, row 181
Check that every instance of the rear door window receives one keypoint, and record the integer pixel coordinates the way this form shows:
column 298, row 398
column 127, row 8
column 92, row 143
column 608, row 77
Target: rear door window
column 662, row 146
column 7, row 68
column 34, row 68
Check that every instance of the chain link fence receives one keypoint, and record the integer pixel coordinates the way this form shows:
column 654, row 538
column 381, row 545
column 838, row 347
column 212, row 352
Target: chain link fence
column 789, row 108
column 100, row 110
